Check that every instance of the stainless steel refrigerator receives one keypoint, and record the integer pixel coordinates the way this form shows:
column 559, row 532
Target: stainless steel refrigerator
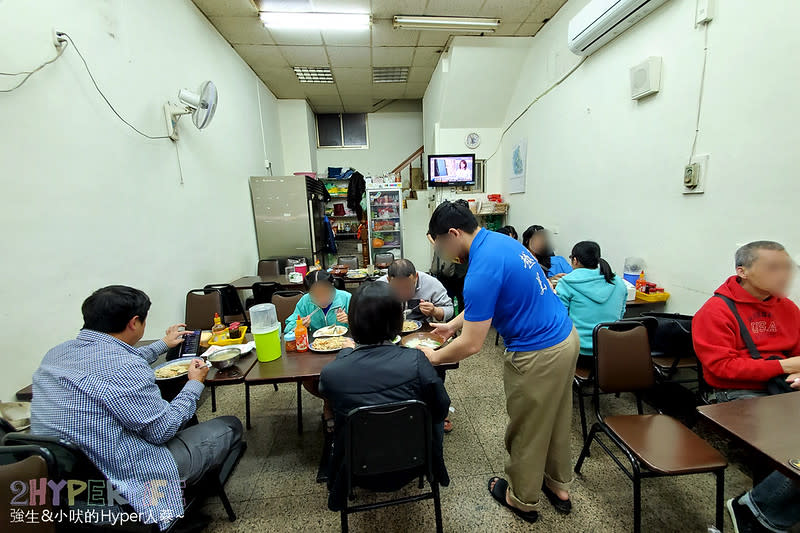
column 289, row 215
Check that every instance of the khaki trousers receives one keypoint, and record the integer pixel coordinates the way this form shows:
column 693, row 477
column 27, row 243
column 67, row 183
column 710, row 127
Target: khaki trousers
column 538, row 387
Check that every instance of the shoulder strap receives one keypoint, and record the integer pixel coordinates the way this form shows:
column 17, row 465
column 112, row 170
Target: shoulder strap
column 748, row 340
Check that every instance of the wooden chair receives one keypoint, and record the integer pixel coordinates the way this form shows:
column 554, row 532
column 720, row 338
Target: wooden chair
column 269, row 267
column 390, row 438
column 285, row 302
column 17, row 465
column 655, row 445
column 201, row 304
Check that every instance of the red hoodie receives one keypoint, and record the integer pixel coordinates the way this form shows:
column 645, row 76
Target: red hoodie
column 774, row 325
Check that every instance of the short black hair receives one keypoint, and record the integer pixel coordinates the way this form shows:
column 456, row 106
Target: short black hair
column 317, row 276
column 509, row 230
column 451, row 215
column 375, row 314
column 402, row 268
column 108, row 310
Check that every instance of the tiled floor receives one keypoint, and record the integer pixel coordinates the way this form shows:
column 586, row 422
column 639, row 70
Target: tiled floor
column 274, row 487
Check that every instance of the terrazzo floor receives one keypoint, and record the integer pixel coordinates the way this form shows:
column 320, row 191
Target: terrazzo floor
column 274, row 487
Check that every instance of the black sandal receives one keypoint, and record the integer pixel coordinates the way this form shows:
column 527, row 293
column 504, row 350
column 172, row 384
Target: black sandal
column 499, row 494
column 562, row 506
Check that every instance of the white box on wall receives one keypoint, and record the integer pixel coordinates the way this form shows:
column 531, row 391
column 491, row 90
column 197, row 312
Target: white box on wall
column 646, row 78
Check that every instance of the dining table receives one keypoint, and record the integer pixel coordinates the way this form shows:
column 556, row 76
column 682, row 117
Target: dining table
column 767, row 425
column 295, row 367
column 246, row 282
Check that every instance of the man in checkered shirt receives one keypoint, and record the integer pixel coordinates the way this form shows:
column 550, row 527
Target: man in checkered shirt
column 99, row 392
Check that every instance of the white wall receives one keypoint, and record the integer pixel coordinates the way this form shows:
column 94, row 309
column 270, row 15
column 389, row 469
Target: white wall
column 604, row 167
column 394, row 133
column 86, row 202
column 298, row 134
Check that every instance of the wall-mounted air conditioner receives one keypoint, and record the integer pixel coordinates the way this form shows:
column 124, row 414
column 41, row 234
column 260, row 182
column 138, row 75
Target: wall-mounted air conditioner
column 602, row 20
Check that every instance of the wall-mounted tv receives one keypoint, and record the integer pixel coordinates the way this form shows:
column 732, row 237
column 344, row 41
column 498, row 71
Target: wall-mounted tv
column 451, row 170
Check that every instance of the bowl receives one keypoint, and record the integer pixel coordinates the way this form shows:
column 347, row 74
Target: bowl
column 225, row 358
column 339, row 270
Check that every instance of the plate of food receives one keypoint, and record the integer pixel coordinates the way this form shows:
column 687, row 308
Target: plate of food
column 410, row 326
column 173, row 369
column 330, row 331
column 327, row 344
column 356, row 274
column 419, row 340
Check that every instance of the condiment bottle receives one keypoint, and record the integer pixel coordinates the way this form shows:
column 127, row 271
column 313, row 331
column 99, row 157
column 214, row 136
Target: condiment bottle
column 301, row 336
column 218, row 330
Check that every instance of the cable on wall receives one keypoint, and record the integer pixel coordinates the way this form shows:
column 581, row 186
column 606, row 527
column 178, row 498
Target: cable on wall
column 94, row 82
column 32, row 72
column 700, row 95
column 542, row 95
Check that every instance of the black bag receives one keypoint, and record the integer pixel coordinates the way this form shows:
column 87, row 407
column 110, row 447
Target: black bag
column 776, row 385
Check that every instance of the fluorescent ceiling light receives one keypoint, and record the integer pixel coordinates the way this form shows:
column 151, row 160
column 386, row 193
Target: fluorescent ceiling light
column 389, row 74
column 315, row 21
column 470, row 24
column 314, row 74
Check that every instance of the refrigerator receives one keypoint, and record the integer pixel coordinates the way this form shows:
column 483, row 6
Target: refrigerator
column 289, row 216
column 385, row 219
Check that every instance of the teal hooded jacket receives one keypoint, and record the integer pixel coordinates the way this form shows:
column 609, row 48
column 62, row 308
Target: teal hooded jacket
column 590, row 300
column 306, row 306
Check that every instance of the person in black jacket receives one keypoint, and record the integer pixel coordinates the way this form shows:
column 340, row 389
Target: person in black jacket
column 377, row 372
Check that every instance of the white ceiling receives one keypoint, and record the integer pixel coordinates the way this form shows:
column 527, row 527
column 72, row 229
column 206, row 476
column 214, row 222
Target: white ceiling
column 352, row 54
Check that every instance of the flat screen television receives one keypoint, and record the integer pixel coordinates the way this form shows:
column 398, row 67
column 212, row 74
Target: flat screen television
column 451, row 170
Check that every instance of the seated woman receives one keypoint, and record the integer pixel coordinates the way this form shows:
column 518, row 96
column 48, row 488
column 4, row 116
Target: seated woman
column 592, row 292
column 378, row 372
column 510, row 231
column 537, row 240
column 323, row 305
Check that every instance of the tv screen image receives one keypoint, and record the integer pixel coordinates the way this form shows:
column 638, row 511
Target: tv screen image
column 445, row 170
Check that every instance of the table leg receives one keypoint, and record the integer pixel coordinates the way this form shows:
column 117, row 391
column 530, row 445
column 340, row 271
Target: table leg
column 213, row 399
column 247, row 404
column 299, row 409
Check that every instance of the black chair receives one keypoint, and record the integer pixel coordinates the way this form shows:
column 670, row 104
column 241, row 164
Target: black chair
column 655, row 445
column 232, row 309
column 338, row 283
column 262, row 293
column 672, row 346
column 389, row 439
column 71, row 463
column 350, row 261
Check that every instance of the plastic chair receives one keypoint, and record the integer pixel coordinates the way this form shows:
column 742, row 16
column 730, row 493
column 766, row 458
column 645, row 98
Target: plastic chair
column 390, row 438
column 269, row 267
column 71, row 463
column 350, row 261
column 655, row 445
column 201, row 304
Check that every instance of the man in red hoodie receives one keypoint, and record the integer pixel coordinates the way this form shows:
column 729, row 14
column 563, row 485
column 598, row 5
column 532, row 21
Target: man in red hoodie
column 763, row 273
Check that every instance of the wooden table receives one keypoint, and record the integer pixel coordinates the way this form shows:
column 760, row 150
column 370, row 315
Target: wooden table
column 292, row 367
column 246, row 282
column 768, row 425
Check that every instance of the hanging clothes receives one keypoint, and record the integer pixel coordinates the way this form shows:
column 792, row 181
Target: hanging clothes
column 356, row 189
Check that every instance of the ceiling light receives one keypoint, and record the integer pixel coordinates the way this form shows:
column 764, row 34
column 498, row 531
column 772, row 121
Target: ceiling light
column 390, row 74
column 469, row 24
column 315, row 21
column 314, row 74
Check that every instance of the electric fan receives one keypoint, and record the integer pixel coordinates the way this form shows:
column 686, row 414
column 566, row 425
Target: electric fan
column 201, row 105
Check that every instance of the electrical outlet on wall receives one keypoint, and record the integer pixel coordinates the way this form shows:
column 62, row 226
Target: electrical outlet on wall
column 704, row 12
column 695, row 175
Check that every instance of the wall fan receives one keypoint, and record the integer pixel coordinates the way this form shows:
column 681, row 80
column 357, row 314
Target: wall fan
column 201, row 105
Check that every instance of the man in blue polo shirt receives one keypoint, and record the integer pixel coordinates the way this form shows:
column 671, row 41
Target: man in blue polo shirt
column 505, row 286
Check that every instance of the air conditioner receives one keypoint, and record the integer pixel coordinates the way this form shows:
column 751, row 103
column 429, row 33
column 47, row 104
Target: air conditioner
column 602, row 20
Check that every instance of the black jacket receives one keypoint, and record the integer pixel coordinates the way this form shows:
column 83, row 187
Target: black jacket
column 374, row 375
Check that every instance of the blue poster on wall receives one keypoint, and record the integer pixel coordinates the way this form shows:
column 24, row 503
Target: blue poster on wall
column 516, row 179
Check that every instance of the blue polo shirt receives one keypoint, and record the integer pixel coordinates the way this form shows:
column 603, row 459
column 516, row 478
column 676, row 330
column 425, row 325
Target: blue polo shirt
column 505, row 283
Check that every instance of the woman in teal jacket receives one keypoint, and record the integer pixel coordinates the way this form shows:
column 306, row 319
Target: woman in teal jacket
column 591, row 292
column 323, row 305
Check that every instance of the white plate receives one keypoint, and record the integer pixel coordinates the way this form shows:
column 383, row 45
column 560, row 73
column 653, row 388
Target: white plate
column 417, row 322
column 327, row 331
column 332, row 350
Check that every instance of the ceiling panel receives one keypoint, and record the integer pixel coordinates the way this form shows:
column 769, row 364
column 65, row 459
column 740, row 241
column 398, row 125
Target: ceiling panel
column 308, row 56
column 392, row 56
column 355, row 76
column 296, row 37
column 507, row 10
column 231, row 8
column 347, row 37
column 349, row 56
column 242, row 30
column 261, row 56
column 390, row 8
column 426, row 56
column 383, row 34
column 326, row 109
